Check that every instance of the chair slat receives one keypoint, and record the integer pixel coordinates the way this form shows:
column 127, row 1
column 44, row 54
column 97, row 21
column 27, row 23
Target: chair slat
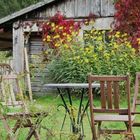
column 120, row 111
column 136, row 91
column 103, row 96
column 109, row 94
column 108, row 78
column 116, row 95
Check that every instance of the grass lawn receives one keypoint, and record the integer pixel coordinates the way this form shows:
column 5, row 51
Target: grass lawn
column 51, row 125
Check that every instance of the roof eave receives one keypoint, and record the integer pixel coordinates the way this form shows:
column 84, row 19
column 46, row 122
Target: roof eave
column 24, row 11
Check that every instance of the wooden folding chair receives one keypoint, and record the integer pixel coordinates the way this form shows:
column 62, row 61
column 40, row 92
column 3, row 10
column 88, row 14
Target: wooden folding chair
column 136, row 98
column 13, row 96
column 110, row 109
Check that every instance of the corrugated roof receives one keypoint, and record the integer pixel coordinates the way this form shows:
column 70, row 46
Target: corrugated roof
column 25, row 10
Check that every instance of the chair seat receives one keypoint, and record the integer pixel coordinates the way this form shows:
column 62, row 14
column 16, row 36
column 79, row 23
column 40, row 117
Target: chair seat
column 19, row 114
column 15, row 103
column 116, row 118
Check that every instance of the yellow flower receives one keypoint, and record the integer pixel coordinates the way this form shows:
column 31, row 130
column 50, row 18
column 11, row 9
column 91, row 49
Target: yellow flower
column 73, row 33
column 112, row 52
column 66, row 46
column 87, row 49
column 48, row 36
column 48, row 39
column 86, row 35
column 116, row 46
column 57, row 45
column 106, row 55
column 100, row 48
column 138, row 39
column 133, row 50
column 53, row 24
column 78, row 57
column 46, row 52
column 64, row 34
column 99, row 38
column 57, row 36
column 86, row 60
column 69, row 38
column 117, row 35
column 44, row 39
column 61, row 27
column 95, row 56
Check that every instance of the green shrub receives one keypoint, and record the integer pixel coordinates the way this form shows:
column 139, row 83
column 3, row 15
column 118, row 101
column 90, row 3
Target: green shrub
column 115, row 57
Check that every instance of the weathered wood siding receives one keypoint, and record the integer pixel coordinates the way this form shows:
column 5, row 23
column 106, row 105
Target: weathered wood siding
column 37, row 66
column 77, row 8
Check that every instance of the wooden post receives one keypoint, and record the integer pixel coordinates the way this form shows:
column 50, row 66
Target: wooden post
column 28, row 73
column 18, row 46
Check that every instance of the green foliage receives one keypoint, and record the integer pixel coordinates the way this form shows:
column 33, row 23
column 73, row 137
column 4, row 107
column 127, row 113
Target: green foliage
column 4, row 55
column 115, row 57
column 9, row 6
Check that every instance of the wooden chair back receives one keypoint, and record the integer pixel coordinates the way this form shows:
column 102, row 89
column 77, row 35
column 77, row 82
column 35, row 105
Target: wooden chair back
column 136, row 98
column 11, row 93
column 110, row 96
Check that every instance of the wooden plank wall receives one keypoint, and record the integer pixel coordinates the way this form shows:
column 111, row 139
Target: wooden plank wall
column 37, row 66
column 79, row 8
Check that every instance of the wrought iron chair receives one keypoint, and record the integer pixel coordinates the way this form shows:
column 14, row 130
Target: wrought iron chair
column 110, row 109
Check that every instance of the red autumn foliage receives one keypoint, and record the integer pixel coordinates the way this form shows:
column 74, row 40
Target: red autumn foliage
column 57, row 30
column 127, row 19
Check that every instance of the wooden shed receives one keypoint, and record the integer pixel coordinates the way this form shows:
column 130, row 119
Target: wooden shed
column 15, row 36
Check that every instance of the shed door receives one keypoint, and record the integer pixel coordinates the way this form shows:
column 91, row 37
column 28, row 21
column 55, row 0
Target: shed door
column 37, row 64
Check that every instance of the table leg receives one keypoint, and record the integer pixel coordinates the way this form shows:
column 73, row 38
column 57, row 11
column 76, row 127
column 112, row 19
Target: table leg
column 85, row 109
column 73, row 121
column 80, row 106
column 63, row 121
column 63, row 100
column 67, row 109
column 75, row 124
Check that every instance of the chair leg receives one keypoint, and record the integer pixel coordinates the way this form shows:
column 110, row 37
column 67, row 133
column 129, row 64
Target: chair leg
column 7, row 128
column 99, row 128
column 33, row 130
column 36, row 135
column 94, row 134
column 132, row 137
column 31, row 133
column 17, row 126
